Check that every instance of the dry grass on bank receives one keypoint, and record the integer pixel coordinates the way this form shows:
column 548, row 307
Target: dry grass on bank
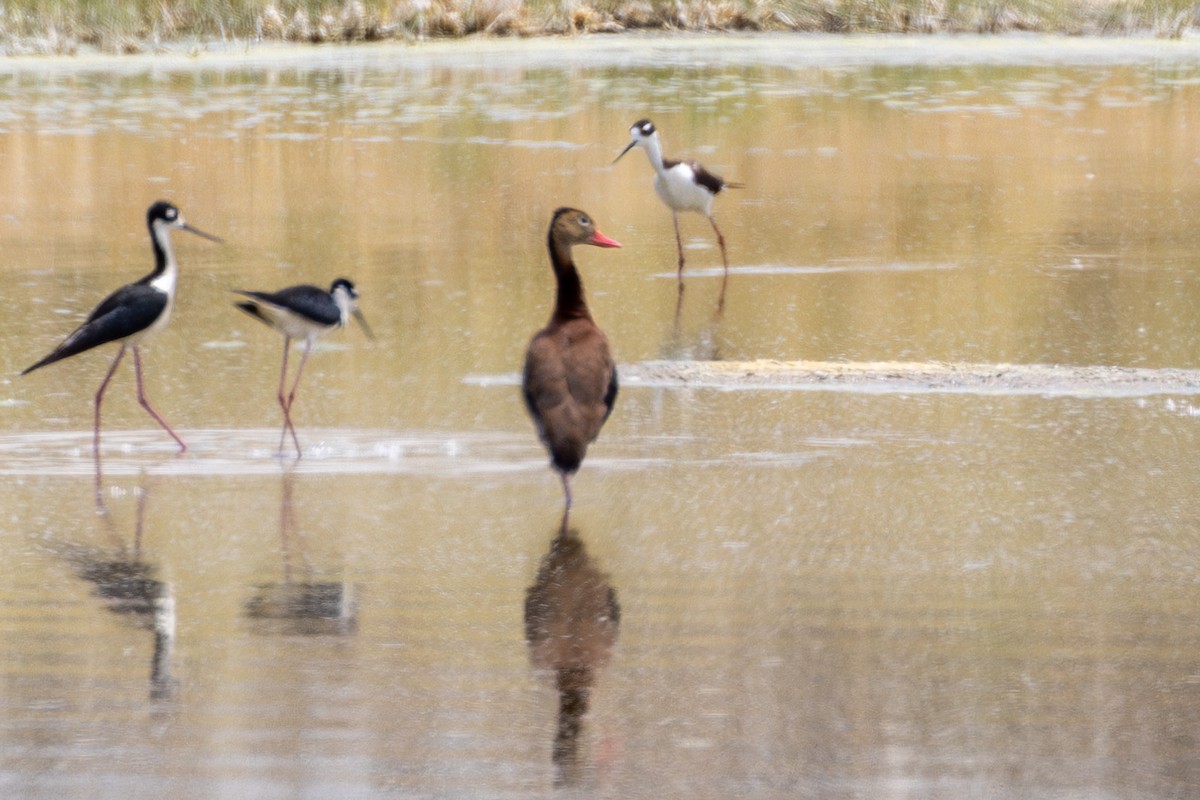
column 65, row 26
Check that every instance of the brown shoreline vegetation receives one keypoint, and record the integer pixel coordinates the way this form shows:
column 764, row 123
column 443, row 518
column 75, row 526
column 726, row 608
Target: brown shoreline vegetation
column 65, row 27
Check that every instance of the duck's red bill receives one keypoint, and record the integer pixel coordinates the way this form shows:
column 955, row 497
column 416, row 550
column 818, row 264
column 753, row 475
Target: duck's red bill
column 600, row 240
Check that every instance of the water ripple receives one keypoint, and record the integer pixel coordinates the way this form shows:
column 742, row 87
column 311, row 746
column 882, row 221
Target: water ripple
column 256, row 452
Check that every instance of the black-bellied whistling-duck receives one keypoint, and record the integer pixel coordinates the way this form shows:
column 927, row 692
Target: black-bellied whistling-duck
column 132, row 313
column 682, row 185
column 572, row 618
column 570, row 380
column 302, row 312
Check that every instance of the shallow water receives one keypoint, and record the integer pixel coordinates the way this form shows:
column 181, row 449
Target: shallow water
column 781, row 593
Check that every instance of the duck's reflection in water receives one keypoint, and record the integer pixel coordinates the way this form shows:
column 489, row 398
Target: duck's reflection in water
column 126, row 582
column 300, row 604
column 571, row 623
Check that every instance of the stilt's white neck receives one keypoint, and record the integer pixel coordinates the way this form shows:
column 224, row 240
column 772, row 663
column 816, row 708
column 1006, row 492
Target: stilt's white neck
column 166, row 271
column 343, row 301
column 654, row 152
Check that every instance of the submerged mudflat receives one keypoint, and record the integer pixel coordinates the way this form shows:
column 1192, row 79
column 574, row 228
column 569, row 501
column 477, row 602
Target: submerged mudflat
column 901, row 377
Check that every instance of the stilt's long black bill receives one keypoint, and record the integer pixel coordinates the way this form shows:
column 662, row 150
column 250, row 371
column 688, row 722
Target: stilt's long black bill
column 628, row 147
column 362, row 322
column 201, row 233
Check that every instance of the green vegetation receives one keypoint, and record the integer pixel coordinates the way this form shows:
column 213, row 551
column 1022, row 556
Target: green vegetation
column 65, row 26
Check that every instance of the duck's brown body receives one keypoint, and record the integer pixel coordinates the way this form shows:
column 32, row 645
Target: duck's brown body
column 570, row 380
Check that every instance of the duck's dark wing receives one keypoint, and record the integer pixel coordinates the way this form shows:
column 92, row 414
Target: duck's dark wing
column 610, row 397
column 569, row 387
column 127, row 311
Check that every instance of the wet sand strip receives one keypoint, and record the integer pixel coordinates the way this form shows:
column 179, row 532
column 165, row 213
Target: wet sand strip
column 894, row 377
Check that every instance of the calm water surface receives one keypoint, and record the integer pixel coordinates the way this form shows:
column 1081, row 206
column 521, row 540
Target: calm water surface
column 762, row 593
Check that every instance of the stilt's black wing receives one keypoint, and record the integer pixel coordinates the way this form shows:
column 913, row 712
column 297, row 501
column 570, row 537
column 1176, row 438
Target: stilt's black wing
column 309, row 302
column 714, row 183
column 127, row 311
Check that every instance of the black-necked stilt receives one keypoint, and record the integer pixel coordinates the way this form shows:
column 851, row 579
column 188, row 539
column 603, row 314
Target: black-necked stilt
column 132, row 313
column 682, row 185
column 570, row 380
column 302, row 312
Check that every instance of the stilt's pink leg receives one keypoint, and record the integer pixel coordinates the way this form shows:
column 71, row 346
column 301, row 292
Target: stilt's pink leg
column 678, row 242
column 721, row 242
column 137, row 365
column 284, row 402
column 100, row 398
column 725, row 261
column 291, row 398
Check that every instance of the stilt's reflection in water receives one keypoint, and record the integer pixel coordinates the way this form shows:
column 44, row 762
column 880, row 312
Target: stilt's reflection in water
column 298, row 604
column 703, row 345
column 126, row 582
column 718, row 311
column 571, row 623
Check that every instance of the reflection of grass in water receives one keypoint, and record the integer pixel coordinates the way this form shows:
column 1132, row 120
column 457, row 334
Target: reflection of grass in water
column 118, row 25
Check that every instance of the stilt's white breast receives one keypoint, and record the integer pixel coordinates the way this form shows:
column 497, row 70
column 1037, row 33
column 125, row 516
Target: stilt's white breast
column 677, row 188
